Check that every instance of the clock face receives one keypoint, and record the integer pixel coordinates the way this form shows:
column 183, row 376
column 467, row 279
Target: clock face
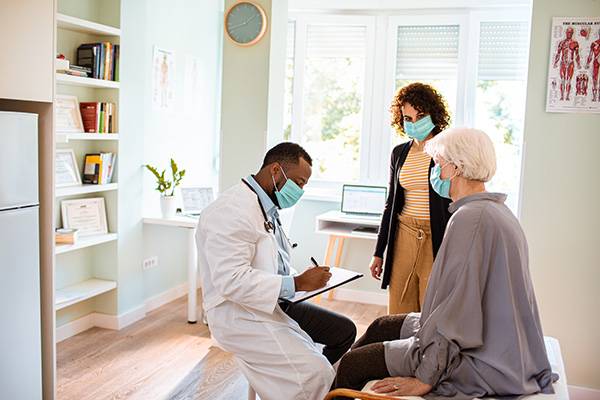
column 245, row 23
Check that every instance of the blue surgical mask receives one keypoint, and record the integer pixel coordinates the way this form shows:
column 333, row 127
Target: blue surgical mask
column 420, row 129
column 441, row 186
column 289, row 194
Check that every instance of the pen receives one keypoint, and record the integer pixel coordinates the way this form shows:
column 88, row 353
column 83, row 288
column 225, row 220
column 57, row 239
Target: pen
column 315, row 263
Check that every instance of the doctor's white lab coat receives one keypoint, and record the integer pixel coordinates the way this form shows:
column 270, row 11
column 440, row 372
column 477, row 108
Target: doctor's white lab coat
column 240, row 289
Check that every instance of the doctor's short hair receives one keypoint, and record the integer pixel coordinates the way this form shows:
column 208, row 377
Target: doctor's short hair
column 471, row 150
column 286, row 153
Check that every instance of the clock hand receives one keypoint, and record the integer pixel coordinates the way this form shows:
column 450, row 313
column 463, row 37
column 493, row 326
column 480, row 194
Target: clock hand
column 243, row 23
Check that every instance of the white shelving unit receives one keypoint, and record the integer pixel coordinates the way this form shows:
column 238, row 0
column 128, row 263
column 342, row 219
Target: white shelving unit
column 84, row 189
column 90, row 262
column 86, row 241
column 81, row 291
column 66, row 137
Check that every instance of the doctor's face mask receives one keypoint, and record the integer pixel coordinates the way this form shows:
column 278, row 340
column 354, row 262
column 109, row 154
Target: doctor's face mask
column 289, row 194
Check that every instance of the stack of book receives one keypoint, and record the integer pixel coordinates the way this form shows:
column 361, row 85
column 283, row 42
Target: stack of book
column 98, row 168
column 98, row 117
column 101, row 58
column 65, row 236
column 75, row 70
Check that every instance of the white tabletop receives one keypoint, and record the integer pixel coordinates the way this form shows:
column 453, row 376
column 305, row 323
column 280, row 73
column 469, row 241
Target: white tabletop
column 180, row 221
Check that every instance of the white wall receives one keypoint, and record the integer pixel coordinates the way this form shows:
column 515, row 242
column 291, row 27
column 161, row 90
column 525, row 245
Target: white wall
column 560, row 212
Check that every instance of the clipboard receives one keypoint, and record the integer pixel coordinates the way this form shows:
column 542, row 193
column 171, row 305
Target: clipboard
column 339, row 277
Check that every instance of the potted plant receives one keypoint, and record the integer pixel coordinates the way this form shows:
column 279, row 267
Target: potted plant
column 167, row 188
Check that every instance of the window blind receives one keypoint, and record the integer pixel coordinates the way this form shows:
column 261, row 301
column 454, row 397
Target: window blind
column 335, row 41
column 427, row 52
column 503, row 50
column 291, row 39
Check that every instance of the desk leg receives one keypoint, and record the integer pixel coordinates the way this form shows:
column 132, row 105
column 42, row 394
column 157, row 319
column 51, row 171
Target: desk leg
column 327, row 260
column 338, row 256
column 192, row 277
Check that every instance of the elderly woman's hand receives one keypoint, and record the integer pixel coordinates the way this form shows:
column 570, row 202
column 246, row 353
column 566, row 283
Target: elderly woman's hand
column 400, row 386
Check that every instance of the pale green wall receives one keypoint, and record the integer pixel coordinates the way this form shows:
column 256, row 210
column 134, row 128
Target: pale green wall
column 186, row 27
column 560, row 212
column 246, row 88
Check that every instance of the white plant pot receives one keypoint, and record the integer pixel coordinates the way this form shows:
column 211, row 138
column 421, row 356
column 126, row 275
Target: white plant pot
column 168, row 206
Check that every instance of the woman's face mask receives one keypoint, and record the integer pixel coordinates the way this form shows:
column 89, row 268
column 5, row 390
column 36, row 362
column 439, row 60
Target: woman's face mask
column 441, row 186
column 420, row 129
column 289, row 194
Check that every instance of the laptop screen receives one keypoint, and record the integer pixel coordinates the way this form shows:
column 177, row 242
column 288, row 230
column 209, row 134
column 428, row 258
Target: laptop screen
column 357, row 199
column 195, row 199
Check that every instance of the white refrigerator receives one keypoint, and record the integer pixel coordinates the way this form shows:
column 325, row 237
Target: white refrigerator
column 20, row 331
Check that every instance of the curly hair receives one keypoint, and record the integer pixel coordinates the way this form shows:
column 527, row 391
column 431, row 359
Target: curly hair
column 423, row 98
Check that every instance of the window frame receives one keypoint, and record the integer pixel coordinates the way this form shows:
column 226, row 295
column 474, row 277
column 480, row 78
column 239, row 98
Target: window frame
column 381, row 35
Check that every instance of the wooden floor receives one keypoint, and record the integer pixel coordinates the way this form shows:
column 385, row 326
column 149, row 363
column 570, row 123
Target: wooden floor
column 162, row 357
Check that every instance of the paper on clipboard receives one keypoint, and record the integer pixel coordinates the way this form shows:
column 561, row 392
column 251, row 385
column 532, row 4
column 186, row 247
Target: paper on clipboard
column 339, row 276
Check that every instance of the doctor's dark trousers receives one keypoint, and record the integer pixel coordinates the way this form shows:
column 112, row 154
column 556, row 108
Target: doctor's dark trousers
column 337, row 332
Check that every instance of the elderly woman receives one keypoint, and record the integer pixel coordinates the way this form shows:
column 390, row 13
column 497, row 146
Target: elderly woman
column 479, row 333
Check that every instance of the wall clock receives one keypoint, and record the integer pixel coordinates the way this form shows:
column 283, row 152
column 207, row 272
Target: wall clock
column 245, row 23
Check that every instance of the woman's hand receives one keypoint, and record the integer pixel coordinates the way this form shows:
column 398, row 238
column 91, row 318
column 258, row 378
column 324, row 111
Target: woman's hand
column 376, row 267
column 400, row 386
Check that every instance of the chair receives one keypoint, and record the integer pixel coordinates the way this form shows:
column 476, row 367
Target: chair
column 554, row 356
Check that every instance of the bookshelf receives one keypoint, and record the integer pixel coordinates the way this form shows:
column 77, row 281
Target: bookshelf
column 86, row 272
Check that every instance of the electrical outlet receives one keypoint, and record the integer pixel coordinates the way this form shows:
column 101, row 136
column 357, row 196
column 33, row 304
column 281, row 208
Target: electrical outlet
column 150, row 262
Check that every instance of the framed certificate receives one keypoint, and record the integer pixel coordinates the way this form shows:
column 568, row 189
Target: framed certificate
column 87, row 215
column 66, row 171
column 68, row 116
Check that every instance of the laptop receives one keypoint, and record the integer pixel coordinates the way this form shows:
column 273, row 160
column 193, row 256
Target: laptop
column 196, row 199
column 363, row 201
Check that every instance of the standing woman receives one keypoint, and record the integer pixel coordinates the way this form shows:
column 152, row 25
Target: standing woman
column 415, row 216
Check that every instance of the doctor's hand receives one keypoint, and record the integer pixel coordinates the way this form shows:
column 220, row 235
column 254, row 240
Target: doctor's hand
column 376, row 267
column 312, row 279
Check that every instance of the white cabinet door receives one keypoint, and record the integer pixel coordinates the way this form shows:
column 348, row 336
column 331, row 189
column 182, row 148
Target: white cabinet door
column 27, row 45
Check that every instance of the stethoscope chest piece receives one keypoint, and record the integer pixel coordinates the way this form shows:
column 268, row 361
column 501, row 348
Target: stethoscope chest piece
column 269, row 227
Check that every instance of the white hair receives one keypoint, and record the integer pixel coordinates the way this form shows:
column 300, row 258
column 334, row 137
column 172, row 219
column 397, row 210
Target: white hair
column 471, row 150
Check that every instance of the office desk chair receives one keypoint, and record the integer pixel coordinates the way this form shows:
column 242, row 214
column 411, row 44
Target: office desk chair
column 554, row 357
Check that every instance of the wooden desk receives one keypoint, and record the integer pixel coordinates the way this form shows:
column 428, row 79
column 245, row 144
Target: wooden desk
column 339, row 227
column 190, row 224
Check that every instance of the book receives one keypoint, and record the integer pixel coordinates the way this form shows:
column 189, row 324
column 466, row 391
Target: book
column 90, row 114
column 92, row 169
column 65, row 236
column 339, row 276
column 71, row 72
column 87, row 56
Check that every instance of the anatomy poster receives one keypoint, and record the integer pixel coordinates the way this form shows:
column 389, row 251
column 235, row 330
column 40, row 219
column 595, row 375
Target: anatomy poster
column 163, row 80
column 573, row 74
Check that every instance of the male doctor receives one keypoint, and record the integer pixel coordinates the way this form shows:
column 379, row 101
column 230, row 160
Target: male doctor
column 244, row 260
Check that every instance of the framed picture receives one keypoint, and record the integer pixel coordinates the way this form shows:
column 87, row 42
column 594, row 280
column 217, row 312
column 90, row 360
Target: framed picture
column 68, row 115
column 87, row 215
column 66, row 171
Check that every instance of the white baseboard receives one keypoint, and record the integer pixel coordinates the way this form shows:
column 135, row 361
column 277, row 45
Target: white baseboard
column 116, row 322
column 360, row 296
column 166, row 297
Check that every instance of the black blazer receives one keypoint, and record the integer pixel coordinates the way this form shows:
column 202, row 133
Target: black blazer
column 438, row 213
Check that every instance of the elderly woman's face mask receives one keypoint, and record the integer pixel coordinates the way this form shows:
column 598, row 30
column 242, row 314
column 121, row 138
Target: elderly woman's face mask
column 441, row 186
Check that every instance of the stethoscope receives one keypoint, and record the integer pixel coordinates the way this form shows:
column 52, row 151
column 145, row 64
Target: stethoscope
column 269, row 227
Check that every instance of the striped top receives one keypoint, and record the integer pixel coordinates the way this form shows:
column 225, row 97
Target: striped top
column 414, row 178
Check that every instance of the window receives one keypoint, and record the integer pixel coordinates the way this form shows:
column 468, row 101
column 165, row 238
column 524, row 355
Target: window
column 329, row 92
column 343, row 71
